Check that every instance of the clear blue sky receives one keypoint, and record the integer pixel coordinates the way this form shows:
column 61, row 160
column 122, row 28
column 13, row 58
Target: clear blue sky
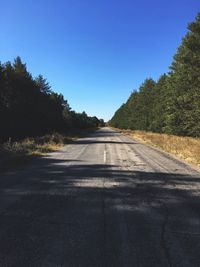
column 94, row 52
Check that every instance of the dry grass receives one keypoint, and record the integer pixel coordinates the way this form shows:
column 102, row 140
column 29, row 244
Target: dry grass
column 186, row 148
column 28, row 146
column 13, row 154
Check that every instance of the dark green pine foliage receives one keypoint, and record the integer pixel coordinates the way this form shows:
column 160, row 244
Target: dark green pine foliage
column 144, row 102
column 137, row 112
column 183, row 116
column 121, row 118
column 29, row 107
column 160, row 104
column 172, row 104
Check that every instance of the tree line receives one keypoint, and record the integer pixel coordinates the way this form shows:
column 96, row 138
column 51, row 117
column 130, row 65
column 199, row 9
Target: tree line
column 172, row 104
column 29, row 106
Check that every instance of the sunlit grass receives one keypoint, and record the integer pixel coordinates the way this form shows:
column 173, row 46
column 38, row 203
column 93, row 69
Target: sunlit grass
column 14, row 153
column 42, row 144
column 186, row 148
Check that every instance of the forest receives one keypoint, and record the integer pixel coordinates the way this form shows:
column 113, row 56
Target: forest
column 172, row 103
column 29, row 107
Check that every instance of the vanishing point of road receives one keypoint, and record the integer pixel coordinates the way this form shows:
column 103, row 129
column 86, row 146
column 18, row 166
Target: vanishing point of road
column 103, row 200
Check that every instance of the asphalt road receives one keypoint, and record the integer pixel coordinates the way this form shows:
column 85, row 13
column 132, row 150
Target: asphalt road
column 104, row 200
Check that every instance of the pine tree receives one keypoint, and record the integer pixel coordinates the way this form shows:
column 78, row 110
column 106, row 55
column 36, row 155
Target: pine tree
column 184, row 85
column 43, row 85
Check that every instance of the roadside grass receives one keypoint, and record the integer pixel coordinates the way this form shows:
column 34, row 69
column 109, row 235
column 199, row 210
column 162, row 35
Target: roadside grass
column 14, row 154
column 186, row 148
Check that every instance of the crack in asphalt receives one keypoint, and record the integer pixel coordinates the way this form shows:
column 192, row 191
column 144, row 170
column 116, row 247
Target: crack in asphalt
column 104, row 201
column 163, row 233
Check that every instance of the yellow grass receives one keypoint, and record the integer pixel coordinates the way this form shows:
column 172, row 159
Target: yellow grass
column 186, row 148
column 13, row 154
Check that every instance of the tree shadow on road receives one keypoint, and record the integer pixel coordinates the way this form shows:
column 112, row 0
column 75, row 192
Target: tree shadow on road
column 71, row 214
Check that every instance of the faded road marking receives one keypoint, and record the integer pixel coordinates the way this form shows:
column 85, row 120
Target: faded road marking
column 104, row 156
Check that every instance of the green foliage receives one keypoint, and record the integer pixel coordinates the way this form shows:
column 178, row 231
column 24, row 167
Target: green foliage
column 29, row 107
column 121, row 118
column 172, row 104
column 183, row 116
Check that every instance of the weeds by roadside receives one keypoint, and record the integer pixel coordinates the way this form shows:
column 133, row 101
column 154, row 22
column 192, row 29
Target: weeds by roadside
column 38, row 145
column 15, row 153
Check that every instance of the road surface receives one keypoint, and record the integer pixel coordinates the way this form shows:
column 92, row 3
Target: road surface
column 104, row 200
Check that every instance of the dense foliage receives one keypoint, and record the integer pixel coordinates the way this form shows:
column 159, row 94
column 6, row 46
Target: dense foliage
column 172, row 104
column 29, row 107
